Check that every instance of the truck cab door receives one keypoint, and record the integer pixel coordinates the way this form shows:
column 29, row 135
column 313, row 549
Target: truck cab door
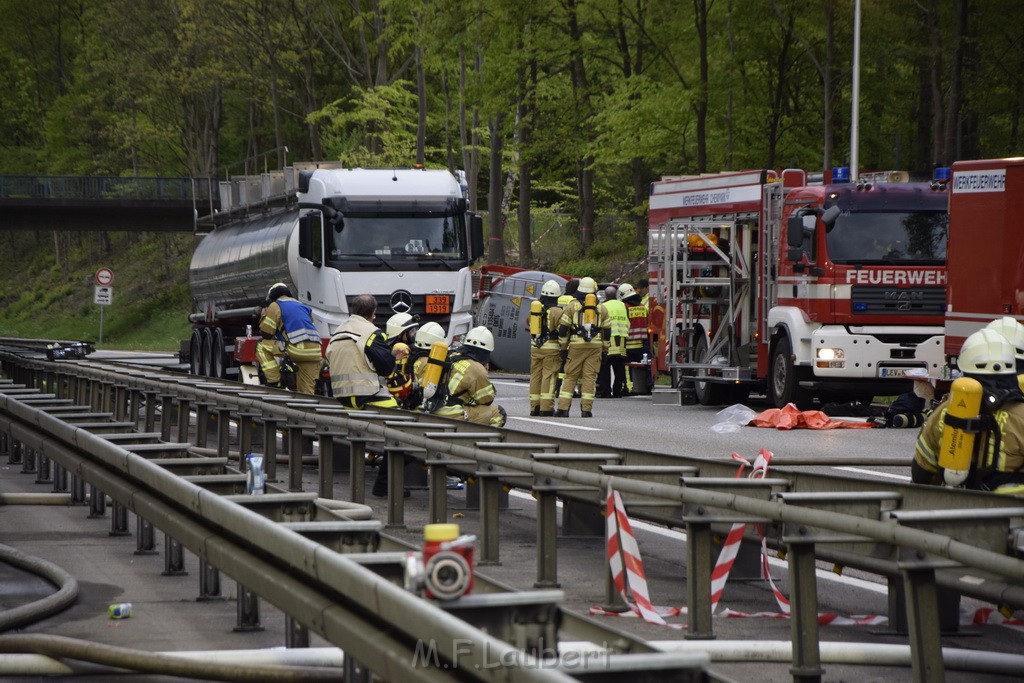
column 317, row 284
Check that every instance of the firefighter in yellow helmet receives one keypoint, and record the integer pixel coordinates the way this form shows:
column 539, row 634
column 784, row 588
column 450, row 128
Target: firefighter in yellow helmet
column 545, row 360
column 581, row 339
column 466, row 392
column 288, row 332
column 401, row 330
column 993, row 436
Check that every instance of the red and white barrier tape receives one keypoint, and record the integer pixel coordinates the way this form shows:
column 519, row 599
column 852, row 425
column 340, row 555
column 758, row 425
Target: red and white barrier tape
column 627, row 569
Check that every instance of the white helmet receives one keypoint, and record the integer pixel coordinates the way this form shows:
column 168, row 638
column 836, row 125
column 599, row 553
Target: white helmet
column 986, row 352
column 551, row 288
column 278, row 289
column 587, row 286
column 625, row 291
column 399, row 323
column 1012, row 331
column 428, row 334
column 480, row 337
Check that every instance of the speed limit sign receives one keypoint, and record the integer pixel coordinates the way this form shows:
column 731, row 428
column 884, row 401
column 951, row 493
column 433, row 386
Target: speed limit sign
column 104, row 277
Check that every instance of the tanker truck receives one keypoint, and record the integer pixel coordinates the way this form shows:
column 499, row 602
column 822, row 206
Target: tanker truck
column 403, row 235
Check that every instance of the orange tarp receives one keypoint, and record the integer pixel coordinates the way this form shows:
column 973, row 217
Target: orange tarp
column 790, row 417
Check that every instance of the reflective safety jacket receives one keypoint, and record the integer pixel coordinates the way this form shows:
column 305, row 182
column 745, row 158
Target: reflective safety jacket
column 618, row 327
column 353, row 373
column 571, row 330
column 291, row 321
column 639, row 321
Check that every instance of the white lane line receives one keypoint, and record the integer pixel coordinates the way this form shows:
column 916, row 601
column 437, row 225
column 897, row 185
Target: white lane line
column 889, row 475
column 510, row 384
column 557, row 424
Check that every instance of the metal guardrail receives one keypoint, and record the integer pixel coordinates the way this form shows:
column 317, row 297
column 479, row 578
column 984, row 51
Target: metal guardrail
column 923, row 557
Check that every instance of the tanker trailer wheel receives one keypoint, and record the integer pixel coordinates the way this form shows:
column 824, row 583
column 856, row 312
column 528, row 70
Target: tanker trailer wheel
column 207, row 354
column 784, row 378
column 708, row 393
column 195, row 350
column 217, row 354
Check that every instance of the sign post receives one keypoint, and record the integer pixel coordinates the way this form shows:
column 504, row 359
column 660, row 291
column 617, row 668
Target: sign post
column 104, row 293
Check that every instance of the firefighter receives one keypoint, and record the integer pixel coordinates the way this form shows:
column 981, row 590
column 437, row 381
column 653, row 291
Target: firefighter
column 638, row 342
column 288, row 323
column 975, row 437
column 466, row 391
column 570, row 293
column 360, row 358
column 1013, row 332
column 424, row 341
column 580, row 338
column 545, row 360
column 401, row 330
column 611, row 381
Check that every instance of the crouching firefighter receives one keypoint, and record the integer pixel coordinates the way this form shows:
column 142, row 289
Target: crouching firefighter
column 975, row 438
column 463, row 391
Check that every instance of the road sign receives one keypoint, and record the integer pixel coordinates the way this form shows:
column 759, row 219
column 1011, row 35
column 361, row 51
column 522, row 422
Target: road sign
column 103, row 295
column 104, row 277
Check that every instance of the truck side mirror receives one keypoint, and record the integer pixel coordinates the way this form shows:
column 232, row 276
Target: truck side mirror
column 795, row 230
column 311, row 239
column 476, row 237
column 794, row 254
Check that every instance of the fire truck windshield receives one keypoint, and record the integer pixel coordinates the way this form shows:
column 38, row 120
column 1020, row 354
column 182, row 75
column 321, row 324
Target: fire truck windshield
column 884, row 238
column 380, row 238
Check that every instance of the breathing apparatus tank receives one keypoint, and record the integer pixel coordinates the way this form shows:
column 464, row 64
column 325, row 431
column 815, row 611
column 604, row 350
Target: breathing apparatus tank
column 957, row 447
column 435, row 366
column 536, row 318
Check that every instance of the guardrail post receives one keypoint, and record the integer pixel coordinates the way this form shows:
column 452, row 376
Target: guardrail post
column 149, row 422
column 223, row 431
column 490, row 501
column 295, row 634
column 270, row 423
column 209, row 582
column 44, row 468
column 166, row 408
column 145, row 543
column 77, row 490
column 326, row 485
column 803, row 611
column 245, row 425
column 547, row 538
column 698, row 581
column 202, row 423
column 184, row 421
column 119, row 520
column 174, row 557
column 248, row 610
column 28, row 461
column 296, row 435
column 16, row 454
column 396, row 487
column 923, row 618
column 97, row 502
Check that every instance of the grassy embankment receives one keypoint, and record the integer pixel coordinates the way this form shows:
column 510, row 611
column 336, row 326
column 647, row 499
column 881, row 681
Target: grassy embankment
column 43, row 295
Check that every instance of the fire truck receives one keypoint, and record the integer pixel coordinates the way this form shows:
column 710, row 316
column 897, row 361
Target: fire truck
column 403, row 235
column 800, row 290
column 986, row 253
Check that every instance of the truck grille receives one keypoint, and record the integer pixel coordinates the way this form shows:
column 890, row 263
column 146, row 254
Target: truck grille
column 867, row 300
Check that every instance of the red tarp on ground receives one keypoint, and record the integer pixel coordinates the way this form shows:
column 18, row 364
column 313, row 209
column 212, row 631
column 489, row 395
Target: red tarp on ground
column 790, row 417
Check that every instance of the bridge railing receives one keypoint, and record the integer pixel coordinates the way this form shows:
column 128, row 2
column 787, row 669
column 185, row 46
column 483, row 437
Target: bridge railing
column 106, row 187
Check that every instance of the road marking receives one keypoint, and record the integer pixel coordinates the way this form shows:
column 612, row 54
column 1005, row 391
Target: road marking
column 557, row 424
column 508, row 384
column 858, row 470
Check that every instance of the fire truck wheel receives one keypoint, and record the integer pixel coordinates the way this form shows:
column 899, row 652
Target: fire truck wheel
column 784, row 378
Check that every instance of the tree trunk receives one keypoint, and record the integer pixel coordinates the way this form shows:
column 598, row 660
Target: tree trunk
column 525, row 116
column 935, row 44
column 495, row 219
column 421, row 91
column 951, row 131
column 700, row 107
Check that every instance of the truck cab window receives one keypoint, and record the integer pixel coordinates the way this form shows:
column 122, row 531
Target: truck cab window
column 888, row 237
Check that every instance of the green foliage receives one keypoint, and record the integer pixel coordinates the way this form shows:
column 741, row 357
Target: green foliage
column 375, row 127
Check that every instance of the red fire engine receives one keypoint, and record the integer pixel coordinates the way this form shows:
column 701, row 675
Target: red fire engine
column 799, row 290
column 986, row 253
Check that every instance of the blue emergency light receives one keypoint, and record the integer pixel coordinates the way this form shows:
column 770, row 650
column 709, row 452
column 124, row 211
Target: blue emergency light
column 841, row 174
column 942, row 174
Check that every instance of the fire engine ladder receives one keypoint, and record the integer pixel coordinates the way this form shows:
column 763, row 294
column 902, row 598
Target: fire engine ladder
column 704, row 301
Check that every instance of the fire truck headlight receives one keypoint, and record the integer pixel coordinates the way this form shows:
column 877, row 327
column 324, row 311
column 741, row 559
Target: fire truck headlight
column 827, row 357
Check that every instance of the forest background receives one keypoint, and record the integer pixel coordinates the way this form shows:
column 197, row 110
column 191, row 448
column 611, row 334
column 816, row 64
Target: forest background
column 561, row 112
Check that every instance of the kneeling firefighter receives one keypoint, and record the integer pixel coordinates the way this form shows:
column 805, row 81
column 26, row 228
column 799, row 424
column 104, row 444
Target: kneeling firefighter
column 464, row 390
column 975, row 438
column 290, row 340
